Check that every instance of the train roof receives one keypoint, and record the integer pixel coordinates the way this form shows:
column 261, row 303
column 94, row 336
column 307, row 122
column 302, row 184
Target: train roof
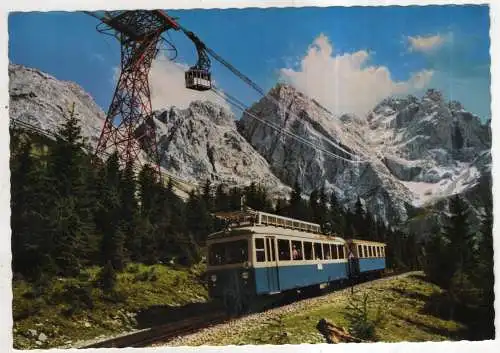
column 248, row 217
column 365, row 242
column 273, row 231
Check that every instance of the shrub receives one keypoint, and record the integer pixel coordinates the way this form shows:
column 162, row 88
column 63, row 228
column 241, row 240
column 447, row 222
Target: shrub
column 133, row 268
column 362, row 323
column 106, row 278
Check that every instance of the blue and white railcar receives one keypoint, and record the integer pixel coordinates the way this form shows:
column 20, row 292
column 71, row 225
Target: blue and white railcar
column 265, row 254
column 368, row 257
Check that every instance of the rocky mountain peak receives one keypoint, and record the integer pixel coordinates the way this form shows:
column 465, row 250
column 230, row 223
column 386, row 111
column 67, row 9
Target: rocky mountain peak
column 44, row 101
column 406, row 152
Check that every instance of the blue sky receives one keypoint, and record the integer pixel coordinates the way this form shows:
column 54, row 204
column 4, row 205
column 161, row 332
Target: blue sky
column 347, row 57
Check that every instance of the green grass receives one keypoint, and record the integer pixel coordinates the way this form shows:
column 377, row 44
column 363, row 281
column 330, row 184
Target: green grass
column 400, row 300
column 55, row 312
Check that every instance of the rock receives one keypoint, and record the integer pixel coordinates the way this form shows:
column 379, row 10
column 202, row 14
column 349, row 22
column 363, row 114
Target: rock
column 53, row 99
column 402, row 139
column 87, row 324
column 38, row 343
column 415, row 151
column 334, row 333
column 42, row 337
column 202, row 142
column 33, row 333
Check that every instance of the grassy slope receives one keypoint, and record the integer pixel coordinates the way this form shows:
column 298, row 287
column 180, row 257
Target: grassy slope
column 401, row 300
column 139, row 288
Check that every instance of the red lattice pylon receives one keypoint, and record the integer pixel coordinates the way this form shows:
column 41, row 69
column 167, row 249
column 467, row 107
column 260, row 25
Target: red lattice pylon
column 129, row 125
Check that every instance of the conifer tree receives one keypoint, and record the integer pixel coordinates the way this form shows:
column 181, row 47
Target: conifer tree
column 129, row 212
column 458, row 234
column 314, row 206
column 109, row 218
column 27, row 207
column 68, row 208
column 322, row 212
column 221, row 199
column 207, row 196
column 198, row 220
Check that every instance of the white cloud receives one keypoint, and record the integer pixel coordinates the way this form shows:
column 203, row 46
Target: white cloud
column 425, row 44
column 167, row 86
column 166, row 80
column 345, row 83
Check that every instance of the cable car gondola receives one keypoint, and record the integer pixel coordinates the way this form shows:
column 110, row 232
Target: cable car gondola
column 198, row 79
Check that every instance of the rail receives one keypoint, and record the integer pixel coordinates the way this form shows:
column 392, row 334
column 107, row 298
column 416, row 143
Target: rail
column 162, row 333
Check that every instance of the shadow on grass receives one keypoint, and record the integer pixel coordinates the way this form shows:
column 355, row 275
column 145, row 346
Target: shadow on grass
column 478, row 320
column 452, row 335
column 410, row 294
column 164, row 314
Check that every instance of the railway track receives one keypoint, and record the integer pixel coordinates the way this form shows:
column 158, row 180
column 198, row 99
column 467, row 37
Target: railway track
column 165, row 332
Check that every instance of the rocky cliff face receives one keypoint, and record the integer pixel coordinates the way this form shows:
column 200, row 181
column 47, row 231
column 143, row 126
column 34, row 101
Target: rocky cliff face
column 411, row 151
column 406, row 153
column 202, row 142
column 44, row 101
column 195, row 144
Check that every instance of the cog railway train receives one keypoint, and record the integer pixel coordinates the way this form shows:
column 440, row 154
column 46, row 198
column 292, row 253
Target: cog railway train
column 262, row 254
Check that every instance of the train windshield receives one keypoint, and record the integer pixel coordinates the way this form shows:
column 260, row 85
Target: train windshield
column 232, row 252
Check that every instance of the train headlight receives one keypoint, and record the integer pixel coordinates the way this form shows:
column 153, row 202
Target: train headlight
column 244, row 275
column 213, row 278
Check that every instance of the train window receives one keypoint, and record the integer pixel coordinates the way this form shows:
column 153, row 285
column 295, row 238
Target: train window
column 327, row 252
column 217, row 254
column 270, row 250
column 318, row 251
column 260, row 253
column 383, row 252
column 284, row 249
column 360, row 252
column 379, row 251
column 335, row 253
column 341, row 251
column 236, row 251
column 308, row 253
column 297, row 250
column 228, row 253
column 365, row 251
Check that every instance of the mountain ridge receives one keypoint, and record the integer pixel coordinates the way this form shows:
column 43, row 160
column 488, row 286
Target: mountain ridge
column 414, row 151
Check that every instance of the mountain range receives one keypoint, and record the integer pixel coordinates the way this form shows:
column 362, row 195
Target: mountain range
column 406, row 154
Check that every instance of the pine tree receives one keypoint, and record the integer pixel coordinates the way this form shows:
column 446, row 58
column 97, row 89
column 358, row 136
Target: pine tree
column 27, row 208
column 207, row 196
column 221, row 199
column 360, row 222
column 147, row 191
column 337, row 217
column 314, row 206
column 297, row 207
column 198, row 220
column 68, row 207
column 458, row 234
column 129, row 212
column 322, row 212
column 235, row 196
column 109, row 217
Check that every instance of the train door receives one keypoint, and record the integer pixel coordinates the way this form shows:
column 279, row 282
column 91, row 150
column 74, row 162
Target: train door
column 272, row 265
column 353, row 261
